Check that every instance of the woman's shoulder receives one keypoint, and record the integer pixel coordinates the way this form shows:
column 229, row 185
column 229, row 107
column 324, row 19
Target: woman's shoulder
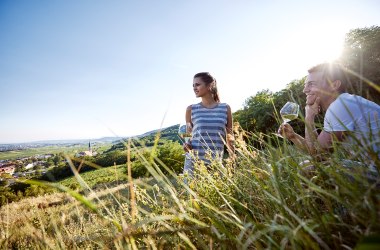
column 223, row 104
column 196, row 105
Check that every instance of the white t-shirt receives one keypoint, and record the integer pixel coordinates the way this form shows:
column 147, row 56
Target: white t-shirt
column 359, row 116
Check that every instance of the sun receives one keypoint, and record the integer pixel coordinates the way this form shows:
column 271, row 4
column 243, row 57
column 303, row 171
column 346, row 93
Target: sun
column 313, row 45
column 329, row 46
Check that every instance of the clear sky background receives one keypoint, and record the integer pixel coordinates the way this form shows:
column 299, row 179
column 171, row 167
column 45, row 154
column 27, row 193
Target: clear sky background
column 86, row 69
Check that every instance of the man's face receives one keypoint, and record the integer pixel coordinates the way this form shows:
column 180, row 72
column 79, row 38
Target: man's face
column 316, row 86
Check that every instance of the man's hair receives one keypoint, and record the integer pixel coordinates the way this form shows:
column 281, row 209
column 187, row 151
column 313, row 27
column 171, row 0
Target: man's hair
column 332, row 72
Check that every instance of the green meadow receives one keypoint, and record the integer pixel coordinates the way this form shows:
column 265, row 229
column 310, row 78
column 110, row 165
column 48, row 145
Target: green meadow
column 263, row 200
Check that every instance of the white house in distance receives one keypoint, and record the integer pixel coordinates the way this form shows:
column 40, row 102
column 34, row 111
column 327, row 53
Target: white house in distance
column 29, row 166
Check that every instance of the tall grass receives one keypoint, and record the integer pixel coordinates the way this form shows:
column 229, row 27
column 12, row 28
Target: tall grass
column 262, row 200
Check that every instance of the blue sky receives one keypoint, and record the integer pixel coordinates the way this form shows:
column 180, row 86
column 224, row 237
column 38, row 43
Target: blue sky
column 87, row 69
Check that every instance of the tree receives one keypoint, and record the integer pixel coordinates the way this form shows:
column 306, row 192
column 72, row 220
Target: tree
column 171, row 154
column 21, row 169
column 260, row 112
column 257, row 112
column 3, row 181
column 112, row 157
column 50, row 162
column 361, row 54
column 56, row 159
column 142, row 160
column 37, row 167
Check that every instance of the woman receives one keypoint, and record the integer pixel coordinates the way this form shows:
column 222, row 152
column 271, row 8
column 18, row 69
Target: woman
column 211, row 123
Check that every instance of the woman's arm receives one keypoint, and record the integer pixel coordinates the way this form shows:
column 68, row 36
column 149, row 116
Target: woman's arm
column 230, row 135
column 188, row 115
column 187, row 146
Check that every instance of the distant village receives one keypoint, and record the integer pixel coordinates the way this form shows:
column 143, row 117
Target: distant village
column 25, row 165
column 37, row 164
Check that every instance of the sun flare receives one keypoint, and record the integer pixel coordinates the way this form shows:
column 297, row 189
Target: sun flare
column 328, row 46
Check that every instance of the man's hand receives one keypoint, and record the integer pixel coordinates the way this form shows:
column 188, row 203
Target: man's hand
column 312, row 106
column 311, row 135
column 286, row 131
column 310, row 99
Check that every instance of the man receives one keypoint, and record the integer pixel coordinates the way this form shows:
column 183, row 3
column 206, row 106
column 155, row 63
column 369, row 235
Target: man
column 350, row 119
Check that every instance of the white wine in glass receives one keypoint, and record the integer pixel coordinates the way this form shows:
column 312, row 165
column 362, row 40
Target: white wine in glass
column 289, row 117
column 289, row 111
column 184, row 131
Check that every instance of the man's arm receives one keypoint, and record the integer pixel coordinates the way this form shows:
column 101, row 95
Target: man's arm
column 318, row 142
column 314, row 142
column 287, row 131
column 311, row 135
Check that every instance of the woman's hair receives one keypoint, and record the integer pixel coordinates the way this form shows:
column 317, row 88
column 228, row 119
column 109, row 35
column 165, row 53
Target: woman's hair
column 210, row 81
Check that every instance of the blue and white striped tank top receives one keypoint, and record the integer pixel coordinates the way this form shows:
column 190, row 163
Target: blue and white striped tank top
column 209, row 131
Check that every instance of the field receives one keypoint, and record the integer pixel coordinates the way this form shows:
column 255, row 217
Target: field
column 11, row 155
column 265, row 199
column 114, row 175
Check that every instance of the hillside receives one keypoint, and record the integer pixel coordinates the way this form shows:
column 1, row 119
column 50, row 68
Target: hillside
column 147, row 139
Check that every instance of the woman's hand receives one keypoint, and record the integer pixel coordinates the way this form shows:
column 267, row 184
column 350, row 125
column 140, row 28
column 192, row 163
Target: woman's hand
column 187, row 146
column 286, row 131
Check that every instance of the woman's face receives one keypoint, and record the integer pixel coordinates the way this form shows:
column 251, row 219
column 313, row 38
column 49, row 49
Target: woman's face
column 200, row 87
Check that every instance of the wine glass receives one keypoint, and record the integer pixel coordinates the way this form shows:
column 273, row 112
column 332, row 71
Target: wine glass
column 288, row 113
column 184, row 131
